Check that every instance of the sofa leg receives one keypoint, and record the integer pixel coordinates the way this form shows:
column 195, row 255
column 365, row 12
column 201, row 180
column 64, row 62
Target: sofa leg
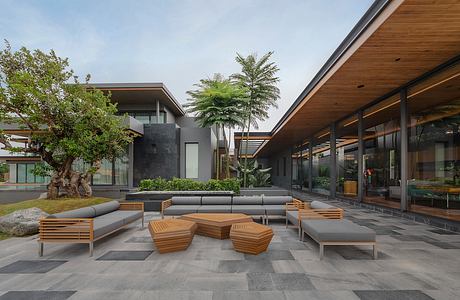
column 375, row 251
column 91, row 249
column 40, row 249
column 321, row 251
column 142, row 221
column 266, row 220
column 286, row 222
column 302, row 234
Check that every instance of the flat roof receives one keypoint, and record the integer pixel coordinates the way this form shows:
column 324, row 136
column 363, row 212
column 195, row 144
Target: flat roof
column 392, row 44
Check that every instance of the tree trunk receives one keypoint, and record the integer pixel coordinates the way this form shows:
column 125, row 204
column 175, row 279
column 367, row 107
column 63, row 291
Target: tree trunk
column 246, row 153
column 84, row 182
column 217, row 153
column 73, row 186
column 227, row 162
column 53, row 186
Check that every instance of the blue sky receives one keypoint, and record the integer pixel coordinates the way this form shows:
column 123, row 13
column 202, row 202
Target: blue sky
column 180, row 42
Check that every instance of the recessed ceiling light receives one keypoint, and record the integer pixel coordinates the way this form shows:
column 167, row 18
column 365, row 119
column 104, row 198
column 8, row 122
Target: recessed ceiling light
column 360, row 86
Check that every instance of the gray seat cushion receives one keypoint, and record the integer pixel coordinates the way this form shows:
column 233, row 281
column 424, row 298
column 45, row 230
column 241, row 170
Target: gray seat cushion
column 249, row 209
column 107, row 223
column 105, row 208
column 247, row 200
column 178, row 210
column 319, row 204
column 215, row 209
column 186, row 200
column 278, row 210
column 337, row 231
column 216, row 200
column 276, row 200
column 293, row 216
column 84, row 212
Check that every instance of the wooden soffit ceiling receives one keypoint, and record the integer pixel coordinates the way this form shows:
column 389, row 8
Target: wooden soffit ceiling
column 407, row 39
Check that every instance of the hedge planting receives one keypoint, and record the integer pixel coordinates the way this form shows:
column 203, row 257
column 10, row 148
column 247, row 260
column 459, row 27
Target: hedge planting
column 182, row 184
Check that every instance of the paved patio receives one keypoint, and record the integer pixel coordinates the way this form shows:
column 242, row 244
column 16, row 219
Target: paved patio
column 416, row 262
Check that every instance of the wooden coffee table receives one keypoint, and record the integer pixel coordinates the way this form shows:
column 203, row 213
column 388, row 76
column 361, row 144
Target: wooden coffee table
column 216, row 225
column 250, row 237
column 172, row 234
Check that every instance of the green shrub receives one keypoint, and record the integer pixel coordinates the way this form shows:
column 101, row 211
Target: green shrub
column 183, row 184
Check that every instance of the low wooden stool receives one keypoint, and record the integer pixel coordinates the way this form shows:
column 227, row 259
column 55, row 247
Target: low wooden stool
column 171, row 235
column 251, row 237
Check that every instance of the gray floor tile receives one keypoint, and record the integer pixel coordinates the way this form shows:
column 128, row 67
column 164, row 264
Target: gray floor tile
column 271, row 255
column 248, row 295
column 260, row 282
column 291, row 281
column 444, row 232
column 139, row 239
column 37, row 295
column 245, row 266
column 392, row 295
column 31, row 266
column 125, row 255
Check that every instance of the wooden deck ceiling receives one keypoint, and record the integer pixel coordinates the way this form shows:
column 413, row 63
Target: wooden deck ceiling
column 407, row 39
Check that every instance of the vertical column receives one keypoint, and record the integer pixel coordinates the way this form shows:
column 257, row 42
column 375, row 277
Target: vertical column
column 404, row 149
column 131, row 165
column 360, row 156
column 332, row 162
column 158, row 111
column 310, row 165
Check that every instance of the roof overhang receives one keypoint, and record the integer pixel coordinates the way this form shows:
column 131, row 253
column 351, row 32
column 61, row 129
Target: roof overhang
column 394, row 43
column 141, row 94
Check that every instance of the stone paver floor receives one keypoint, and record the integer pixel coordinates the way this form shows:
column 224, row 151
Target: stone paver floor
column 416, row 261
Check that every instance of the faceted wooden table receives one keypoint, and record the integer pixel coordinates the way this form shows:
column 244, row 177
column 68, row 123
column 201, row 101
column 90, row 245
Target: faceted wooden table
column 216, row 225
column 251, row 237
column 172, row 234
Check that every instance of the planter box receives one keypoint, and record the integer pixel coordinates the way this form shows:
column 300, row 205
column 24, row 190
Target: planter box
column 152, row 199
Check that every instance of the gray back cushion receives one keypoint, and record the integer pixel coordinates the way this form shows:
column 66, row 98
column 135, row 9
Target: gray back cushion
column 319, row 204
column 84, row 212
column 247, row 200
column 186, row 200
column 105, row 208
column 216, row 200
column 274, row 200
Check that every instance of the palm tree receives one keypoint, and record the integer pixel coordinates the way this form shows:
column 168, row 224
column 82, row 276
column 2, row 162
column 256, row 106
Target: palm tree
column 258, row 78
column 218, row 102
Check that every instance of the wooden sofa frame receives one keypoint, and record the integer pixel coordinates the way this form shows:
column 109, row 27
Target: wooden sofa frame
column 77, row 230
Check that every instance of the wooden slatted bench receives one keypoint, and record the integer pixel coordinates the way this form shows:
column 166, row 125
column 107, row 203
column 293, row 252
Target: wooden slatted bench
column 251, row 237
column 172, row 234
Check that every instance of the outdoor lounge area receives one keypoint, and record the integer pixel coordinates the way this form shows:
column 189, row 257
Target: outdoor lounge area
column 415, row 261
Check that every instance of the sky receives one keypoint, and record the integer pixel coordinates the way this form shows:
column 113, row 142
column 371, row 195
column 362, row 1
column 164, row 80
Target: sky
column 180, row 42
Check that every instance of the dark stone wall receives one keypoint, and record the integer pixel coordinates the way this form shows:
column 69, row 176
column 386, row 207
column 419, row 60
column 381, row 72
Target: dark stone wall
column 279, row 179
column 156, row 153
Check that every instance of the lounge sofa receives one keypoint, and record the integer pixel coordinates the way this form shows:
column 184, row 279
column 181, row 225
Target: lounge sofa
column 88, row 224
column 256, row 206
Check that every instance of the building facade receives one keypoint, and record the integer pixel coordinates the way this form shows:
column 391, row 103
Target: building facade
column 380, row 122
column 167, row 142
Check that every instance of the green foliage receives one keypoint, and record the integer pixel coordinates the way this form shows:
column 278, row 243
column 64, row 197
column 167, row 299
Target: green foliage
column 183, row 184
column 256, row 176
column 4, row 168
column 42, row 169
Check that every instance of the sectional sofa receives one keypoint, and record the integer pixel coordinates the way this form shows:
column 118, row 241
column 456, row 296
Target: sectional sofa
column 261, row 206
column 88, row 224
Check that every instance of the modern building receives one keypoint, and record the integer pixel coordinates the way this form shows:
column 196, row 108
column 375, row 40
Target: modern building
column 380, row 122
column 167, row 142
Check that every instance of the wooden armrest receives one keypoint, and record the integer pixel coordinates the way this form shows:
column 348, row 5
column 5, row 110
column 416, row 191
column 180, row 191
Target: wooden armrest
column 66, row 229
column 165, row 204
column 291, row 206
column 132, row 206
column 321, row 213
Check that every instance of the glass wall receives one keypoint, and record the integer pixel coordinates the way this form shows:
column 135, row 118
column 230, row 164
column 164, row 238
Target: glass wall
column 321, row 163
column 296, row 169
column 121, row 166
column 24, row 174
column 300, row 167
column 149, row 117
column 381, row 161
column 191, row 160
column 434, row 145
column 347, row 158
column 103, row 176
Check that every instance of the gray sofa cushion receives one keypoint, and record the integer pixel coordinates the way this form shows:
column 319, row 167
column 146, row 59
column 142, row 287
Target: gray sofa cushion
column 276, row 200
column 105, row 208
column 247, row 200
column 278, row 210
column 337, row 231
column 84, row 212
column 319, row 204
column 216, row 200
column 107, row 223
column 178, row 210
column 293, row 216
column 249, row 209
column 215, row 209
column 186, row 200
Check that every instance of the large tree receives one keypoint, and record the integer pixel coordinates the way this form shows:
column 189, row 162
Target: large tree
column 67, row 120
column 258, row 78
column 218, row 102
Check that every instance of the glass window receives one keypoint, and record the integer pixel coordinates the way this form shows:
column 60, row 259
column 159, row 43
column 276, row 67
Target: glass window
column 296, row 159
column 21, row 173
column 103, row 176
column 191, row 160
column 121, row 170
column 144, row 118
column 381, row 160
column 347, row 157
column 434, row 145
column 321, row 163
